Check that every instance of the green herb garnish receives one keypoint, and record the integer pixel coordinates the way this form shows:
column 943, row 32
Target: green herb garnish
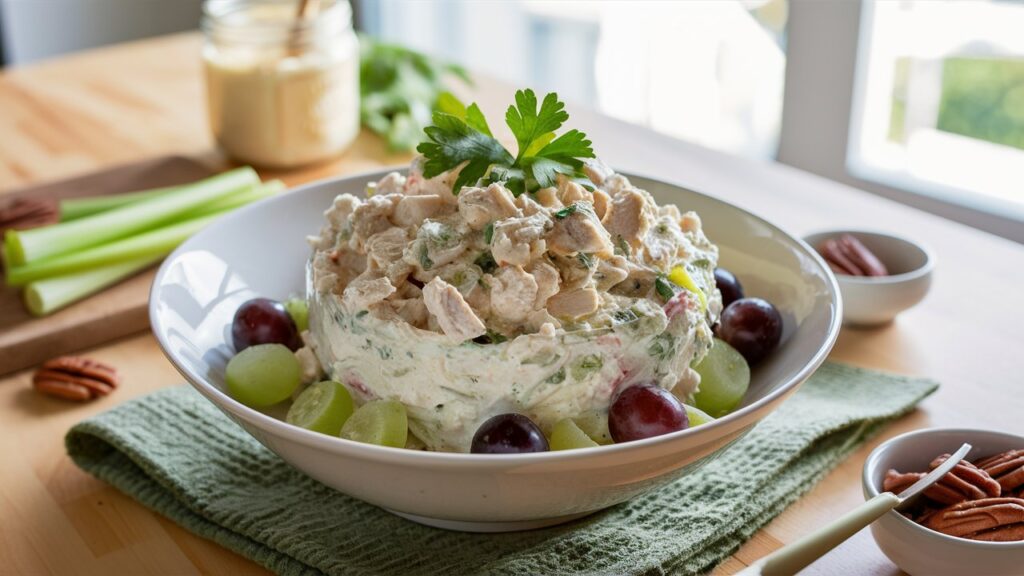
column 400, row 88
column 622, row 247
column 488, row 232
column 425, row 262
column 586, row 365
column 462, row 136
column 486, row 262
column 566, row 212
column 556, row 378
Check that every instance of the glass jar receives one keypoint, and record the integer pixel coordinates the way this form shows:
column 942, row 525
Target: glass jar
column 281, row 92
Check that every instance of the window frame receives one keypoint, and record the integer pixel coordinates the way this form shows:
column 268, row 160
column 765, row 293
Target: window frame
column 826, row 58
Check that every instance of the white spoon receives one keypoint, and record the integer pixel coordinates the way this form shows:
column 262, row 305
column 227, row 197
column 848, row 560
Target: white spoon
column 794, row 557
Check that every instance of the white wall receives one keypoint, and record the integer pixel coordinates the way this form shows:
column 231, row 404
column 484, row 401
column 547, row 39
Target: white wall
column 38, row 29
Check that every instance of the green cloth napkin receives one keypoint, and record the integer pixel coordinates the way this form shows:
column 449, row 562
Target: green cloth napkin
column 178, row 454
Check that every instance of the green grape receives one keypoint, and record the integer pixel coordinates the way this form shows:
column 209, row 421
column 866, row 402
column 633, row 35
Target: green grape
column 724, row 378
column 381, row 422
column 696, row 416
column 263, row 375
column 298, row 309
column 566, row 435
column 323, row 407
column 594, row 423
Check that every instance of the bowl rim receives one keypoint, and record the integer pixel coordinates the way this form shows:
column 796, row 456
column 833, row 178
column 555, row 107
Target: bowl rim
column 872, row 461
column 922, row 270
column 458, row 459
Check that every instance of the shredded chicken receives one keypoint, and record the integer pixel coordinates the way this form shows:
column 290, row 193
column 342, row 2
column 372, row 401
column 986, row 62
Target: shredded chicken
column 488, row 260
column 579, row 231
column 513, row 292
column 516, row 240
column 626, row 219
column 362, row 292
column 453, row 314
column 412, row 210
column 480, row 206
column 573, row 303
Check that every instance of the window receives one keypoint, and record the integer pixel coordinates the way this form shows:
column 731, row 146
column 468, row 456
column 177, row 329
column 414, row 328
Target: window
column 710, row 72
column 938, row 103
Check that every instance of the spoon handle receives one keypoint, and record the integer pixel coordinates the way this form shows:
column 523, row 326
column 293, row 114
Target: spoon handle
column 790, row 559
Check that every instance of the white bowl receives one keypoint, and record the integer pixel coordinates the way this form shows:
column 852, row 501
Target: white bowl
column 920, row 551
column 873, row 301
column 260, row 250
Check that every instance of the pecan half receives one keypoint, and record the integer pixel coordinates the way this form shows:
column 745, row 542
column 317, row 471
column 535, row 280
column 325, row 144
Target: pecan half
column 837, row 259
column 861, row 256
column 75, row 378
column 994, row 519
column 964, row 482
column 22, row 213
column 847, row 255
column 1007, row 469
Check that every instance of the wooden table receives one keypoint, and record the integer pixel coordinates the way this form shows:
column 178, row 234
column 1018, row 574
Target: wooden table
column 121, row 104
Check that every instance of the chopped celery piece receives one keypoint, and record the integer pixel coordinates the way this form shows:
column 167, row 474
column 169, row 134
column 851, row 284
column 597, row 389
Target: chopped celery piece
column 75, row 208
column 680, row 277
column 46, row 296
column 32, row 245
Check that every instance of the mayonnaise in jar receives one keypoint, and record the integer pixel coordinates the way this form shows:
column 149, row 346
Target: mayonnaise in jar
column 281, row 91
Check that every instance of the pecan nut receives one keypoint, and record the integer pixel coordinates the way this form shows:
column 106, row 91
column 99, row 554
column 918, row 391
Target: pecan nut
column 1006, row 468
column 23, row 213
column 847, row 255
column 861, row 256
column 991, row 519
column 964, row 482
column 75, row 378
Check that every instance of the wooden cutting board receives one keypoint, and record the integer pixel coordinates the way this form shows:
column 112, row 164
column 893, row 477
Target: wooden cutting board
column 115, row 312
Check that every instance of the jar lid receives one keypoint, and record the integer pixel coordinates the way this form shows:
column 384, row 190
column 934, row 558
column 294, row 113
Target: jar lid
column 272, row 21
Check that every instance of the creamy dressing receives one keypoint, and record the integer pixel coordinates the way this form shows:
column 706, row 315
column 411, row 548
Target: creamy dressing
column 278, row 98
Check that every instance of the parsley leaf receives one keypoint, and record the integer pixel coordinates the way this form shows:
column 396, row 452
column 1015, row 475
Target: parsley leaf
column 398, row 90
column 451, row 142
column 461, row 137
column 527, row 124
column 566, row 212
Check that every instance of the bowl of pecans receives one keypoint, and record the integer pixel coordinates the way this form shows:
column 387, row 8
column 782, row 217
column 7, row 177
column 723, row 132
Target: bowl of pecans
column 879, row 274
column 971, row 521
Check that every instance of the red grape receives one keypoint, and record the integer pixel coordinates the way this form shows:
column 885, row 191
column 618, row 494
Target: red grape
column 752, row 326
column 508, row 434
column 264, row 321
column 728, row 285
column 645, row 411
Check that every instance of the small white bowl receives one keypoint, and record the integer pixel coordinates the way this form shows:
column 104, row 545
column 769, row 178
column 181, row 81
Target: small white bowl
column 876, row 300
column 920, row 551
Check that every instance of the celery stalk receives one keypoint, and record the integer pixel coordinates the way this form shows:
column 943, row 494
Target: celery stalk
column 268, row 188
column 158, row 242
column 31, row 245
column 46, row 296
column 75, row 208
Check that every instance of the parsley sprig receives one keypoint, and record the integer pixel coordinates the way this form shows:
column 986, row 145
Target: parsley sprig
column 461, row 135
